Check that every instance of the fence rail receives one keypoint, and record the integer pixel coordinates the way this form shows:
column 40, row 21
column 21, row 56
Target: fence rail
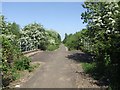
column 25, row 52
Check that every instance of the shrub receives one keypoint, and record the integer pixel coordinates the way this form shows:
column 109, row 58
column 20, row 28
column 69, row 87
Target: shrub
column 22, row 64
column 52, row 47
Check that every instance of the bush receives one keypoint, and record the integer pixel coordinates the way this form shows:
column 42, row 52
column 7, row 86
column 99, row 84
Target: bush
column 11, row 72
column 52, row 47
column 22, row 63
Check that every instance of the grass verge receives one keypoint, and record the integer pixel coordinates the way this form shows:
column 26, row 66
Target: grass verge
column 88, row 67
column 97, row 73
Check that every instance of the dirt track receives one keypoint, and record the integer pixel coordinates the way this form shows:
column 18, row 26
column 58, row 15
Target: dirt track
column 59, row 70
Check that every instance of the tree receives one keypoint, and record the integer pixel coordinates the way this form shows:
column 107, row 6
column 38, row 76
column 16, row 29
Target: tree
column 53, row 37
column 15, row 29
column 11, row 57
column 54, row 40
column 65, row 38
column 103, row 24
column 33, row 36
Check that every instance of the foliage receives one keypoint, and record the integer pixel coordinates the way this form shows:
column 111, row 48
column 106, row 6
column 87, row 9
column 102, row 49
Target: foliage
column 77, row 40
column 14, row 40
column 33, row 36
column 89, row 67
column 53, row 37
column 54, row 40
column 22, row 63
column 10, row 52
column 101, row 38
column 52, row 47
column 102, row 19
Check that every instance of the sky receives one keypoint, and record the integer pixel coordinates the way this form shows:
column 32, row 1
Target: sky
column 63, row 17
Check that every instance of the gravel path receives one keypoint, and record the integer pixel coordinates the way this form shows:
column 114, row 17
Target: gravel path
column 59, row 70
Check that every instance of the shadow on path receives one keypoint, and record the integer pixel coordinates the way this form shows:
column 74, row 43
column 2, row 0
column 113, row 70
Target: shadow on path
column 80, row 57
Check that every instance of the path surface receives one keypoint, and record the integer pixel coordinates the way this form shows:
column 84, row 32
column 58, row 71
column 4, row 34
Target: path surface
column 59, row 70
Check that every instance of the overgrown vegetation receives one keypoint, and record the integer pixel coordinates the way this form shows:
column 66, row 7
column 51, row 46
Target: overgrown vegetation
column 15, row 40
column 12, row 58
column 54, row 40
column 52, row 47
column 89, row 67
column 34, row 36
column 101, row 39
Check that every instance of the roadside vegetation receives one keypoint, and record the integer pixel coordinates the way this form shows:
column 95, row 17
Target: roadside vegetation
column 54, row 40
column 101, row 39
column 15, row 40
column 35, row 36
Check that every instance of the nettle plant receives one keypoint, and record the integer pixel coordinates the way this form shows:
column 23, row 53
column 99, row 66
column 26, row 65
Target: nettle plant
column 10, row 54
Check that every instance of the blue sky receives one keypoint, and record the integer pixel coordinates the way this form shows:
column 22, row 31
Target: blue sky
column 63, row 17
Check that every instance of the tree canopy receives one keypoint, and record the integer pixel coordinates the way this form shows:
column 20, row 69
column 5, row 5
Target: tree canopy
column 101, row 38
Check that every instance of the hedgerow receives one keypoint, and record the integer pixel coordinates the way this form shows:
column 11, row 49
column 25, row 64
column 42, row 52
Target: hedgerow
column 101, row 38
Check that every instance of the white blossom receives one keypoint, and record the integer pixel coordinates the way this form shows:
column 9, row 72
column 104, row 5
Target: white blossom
column 113, row 21
column 107, row 31
column 110, row 19
column 52, row 41
column 109, row 13
column 98, row 24
column 116, row 11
